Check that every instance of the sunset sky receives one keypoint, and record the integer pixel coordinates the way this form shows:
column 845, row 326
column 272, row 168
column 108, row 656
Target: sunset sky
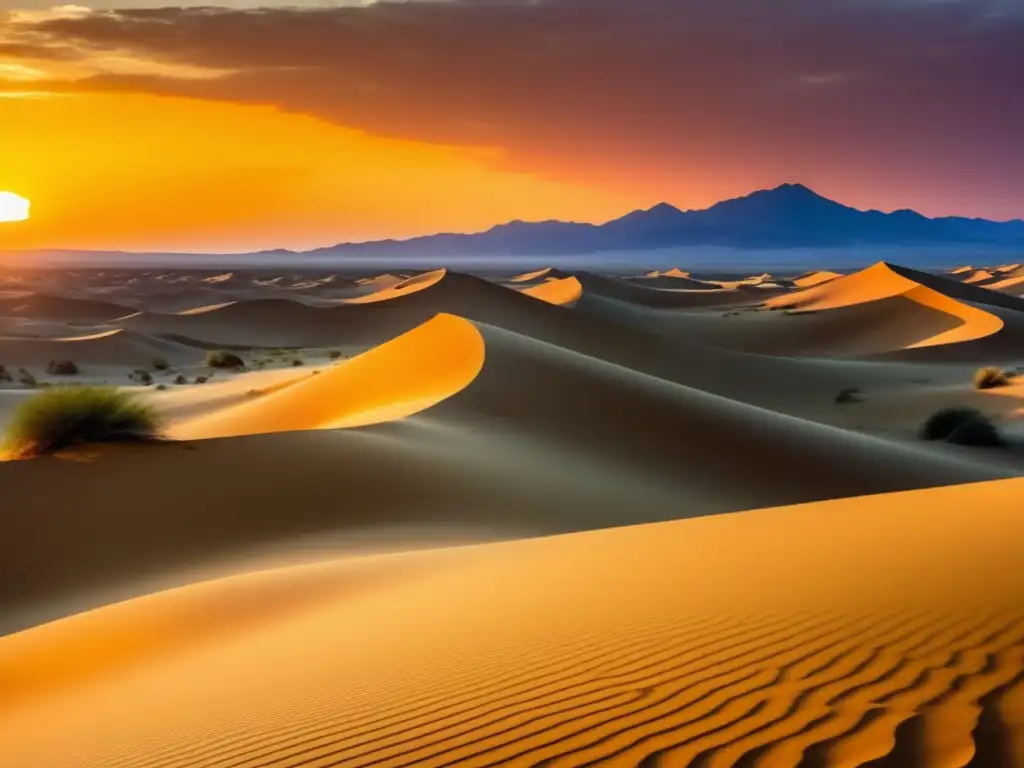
column 255, row 126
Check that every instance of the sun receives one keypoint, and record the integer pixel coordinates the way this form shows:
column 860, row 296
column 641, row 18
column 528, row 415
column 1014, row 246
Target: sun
column 13, row 207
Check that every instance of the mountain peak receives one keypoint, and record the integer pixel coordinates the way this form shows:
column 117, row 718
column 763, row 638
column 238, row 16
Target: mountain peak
column 662, row 208
column 794, row 189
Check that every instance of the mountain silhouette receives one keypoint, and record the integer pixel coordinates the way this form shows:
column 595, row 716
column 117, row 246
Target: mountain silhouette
column 788, row 216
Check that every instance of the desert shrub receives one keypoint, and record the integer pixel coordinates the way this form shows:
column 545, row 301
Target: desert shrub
column 161, row 387
column 62, row 417
column 26, row 378
column 296, row 362
column 180, row 379
column 159, row 364
column 4, row 375
column 962, row 425
column 143, row 377
column 202, row 379
column 62, row 368
column 851, row 395
column 334, row 354
column 987, row 378
column 222, row 359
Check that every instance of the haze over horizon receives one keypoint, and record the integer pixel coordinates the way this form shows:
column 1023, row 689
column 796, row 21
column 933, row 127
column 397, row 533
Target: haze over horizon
column 260, row 126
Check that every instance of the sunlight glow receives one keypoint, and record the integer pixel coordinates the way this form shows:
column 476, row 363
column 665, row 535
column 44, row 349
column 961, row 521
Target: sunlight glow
column 13, row 207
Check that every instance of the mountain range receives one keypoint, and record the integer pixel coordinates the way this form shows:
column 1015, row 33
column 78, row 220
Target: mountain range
column 789, row 216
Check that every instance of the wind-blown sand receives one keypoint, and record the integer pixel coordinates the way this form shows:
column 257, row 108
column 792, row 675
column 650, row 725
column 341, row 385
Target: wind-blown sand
column 198, row 602
column 833, row 634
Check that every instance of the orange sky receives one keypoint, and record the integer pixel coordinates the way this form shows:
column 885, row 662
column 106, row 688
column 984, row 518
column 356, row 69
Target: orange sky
column 147, row 172
column 130, row 125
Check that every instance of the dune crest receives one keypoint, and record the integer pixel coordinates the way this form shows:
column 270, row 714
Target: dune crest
column 392, row 381
column 403, row 288
column 881, row 282
column 815, row 278
column 529, row 277
column 560, row 291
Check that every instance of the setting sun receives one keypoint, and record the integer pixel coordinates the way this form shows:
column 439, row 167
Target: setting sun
column 13, row 207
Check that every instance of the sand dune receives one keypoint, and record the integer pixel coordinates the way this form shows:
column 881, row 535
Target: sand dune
column 978, row 277
column 639, row 293
column 673, row 272
column 530, row 277
column 392, row 381
column 541, row 439
column 957, row 316
column 381, row 281
column 863, row 627
column 38, row 306
column 227, row 277
column 561, row 291
column 632, row 646
column 1011, row 285
column 815, row 278
column 468, row 375
column 403, row 288
column 111, row 348
column 675, row 281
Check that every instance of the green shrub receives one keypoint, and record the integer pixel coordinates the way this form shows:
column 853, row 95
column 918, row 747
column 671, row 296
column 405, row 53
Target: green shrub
column 62, row 368
column 987, row 378
column 62, row 417
column 222, row 359
column 961, row 425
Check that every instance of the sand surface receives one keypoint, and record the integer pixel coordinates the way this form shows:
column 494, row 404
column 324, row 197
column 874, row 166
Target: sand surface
column 879, row 628
column 695, row 555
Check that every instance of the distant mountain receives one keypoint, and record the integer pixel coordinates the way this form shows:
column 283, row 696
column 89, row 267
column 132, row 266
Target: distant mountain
column 789, row 216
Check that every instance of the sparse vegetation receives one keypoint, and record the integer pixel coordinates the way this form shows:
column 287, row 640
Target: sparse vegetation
column 297, row 362
column 26, row 378
column 4, row 375
column 990, row 377
column 61, row 368
column 334, row 354
column 223, row 359
column 202, row 379
column 159, row 364
column 62, row 417
column 161, row 387
column 180, row 379
column 850, row 395
column 961, row 425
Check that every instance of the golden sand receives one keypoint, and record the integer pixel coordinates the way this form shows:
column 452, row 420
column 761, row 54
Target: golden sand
column 851, row 619
column 829, row 634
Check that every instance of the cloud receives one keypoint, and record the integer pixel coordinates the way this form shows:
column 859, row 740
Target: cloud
column 597, row 86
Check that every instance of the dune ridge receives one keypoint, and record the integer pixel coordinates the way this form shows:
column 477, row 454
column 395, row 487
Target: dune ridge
column 562, row 291
column 394, row 380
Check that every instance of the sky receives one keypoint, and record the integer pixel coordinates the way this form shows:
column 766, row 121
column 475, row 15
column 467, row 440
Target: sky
column 132, row 125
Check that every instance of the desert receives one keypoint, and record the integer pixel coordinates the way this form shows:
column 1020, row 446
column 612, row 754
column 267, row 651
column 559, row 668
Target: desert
column 554, row 517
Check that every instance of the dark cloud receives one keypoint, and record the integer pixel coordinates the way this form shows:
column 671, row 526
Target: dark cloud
column 624, row 90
